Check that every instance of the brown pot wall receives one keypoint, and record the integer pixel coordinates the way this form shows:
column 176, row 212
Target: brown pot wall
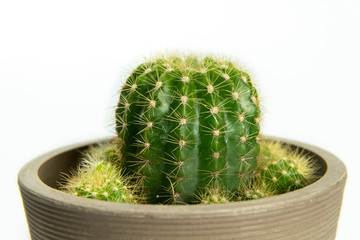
column 309, row 213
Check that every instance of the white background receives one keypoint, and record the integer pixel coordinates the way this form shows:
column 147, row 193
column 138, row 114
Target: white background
column 61, row 63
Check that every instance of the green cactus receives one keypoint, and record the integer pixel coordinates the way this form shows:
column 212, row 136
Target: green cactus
column 184, row 124
column 214, row 195
column 255, row 191
column 284, row 169
column 98, row 178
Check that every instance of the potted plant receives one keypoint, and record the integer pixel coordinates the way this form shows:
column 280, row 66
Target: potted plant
column 187, row 162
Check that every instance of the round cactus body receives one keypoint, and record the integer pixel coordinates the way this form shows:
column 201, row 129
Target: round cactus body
column 185, row 124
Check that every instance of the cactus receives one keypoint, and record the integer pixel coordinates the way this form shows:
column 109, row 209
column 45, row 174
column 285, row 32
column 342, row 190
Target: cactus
column 98, row 178
column 284, row 169
column 214, row 195
column 184, row 124
column 257, row 190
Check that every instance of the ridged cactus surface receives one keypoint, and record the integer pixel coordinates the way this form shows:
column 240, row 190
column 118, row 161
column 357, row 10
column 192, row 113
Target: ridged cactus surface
column 185, row 124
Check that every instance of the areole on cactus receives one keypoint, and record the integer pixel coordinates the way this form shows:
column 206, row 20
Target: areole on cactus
column 185, row 124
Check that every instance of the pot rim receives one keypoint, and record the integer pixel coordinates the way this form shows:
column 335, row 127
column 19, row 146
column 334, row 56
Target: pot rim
column 335, row 175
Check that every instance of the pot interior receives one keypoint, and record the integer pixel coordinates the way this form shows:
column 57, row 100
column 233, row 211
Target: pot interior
column 51, row 172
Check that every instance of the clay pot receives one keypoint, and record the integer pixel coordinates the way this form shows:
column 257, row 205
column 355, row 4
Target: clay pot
column 308, row 213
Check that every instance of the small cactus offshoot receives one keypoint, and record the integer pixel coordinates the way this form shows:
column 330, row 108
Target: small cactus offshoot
column 257, row 190
column 98, row 178
column 214, row 195
column 280, row 169
column 284, row 169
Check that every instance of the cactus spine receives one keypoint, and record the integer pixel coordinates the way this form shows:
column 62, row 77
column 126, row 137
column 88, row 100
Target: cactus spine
column 185, row 124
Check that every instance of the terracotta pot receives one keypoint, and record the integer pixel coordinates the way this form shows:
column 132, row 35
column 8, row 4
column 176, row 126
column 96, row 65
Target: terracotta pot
column 309, row 213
